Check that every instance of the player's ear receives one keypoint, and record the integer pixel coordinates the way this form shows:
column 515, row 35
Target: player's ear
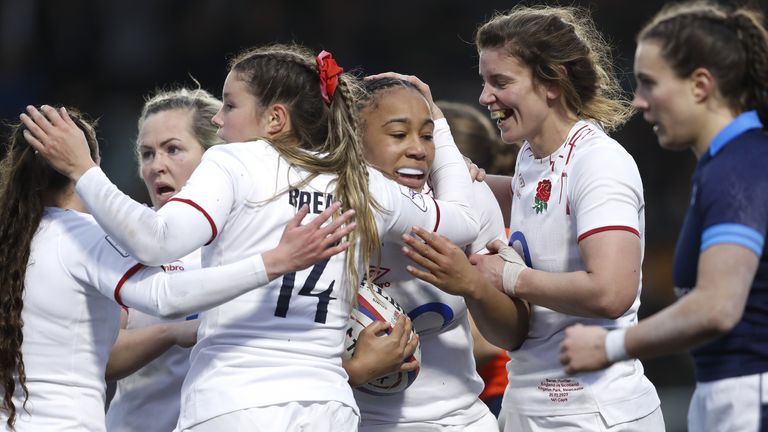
column 553, row 90
column 278, row 119
column 702, row 84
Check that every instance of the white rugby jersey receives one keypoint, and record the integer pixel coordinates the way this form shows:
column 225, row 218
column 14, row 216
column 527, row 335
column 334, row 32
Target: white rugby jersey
column 148, row 399
column 70, row 323
column 446, row 390
column 76, row 275
column 283, row 342
column 594, row 186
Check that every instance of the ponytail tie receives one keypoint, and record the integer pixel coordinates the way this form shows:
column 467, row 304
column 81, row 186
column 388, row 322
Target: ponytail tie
column 329, row 75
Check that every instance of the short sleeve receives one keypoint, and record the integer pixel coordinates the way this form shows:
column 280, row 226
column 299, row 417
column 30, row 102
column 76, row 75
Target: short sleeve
column 732, row 198
column 605, row 190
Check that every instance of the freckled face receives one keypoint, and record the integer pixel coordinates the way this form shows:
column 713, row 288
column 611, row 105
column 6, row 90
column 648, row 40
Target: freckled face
column 168, row 153
column 397, row 136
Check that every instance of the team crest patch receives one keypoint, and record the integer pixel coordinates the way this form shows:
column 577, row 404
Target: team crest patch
column 377, row 272
column 543, row 191
column 117, row 247
column 416, row 198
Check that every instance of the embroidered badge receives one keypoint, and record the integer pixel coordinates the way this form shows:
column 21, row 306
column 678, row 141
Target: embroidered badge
column 543, row 191
column 416, row 198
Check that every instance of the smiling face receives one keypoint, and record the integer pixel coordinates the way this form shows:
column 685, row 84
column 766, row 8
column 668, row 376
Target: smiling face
column 397, row 136
column 168, row 153
column 665, row 99
column 240, row 118
column 519, row 104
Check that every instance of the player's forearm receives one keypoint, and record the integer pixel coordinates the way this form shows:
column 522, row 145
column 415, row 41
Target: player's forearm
column 502, row 320
column 135, row 348
column 482, row 350
column 174, row 295
column 689, row 322
column 576, row 293
column 452, row 184
column 152, row 238
column 713, row 308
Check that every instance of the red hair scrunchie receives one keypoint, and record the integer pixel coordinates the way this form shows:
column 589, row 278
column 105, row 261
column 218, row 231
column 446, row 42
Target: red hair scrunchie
column 329, row 75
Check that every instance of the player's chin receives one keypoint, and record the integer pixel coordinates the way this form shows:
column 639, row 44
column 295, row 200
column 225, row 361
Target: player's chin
column 416, row 182
column 160, row 200
column 511, row 136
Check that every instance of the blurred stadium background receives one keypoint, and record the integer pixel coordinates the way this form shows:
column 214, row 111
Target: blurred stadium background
column 103, row 57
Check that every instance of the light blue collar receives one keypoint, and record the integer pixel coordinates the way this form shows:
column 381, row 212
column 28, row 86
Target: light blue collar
column 744, row 122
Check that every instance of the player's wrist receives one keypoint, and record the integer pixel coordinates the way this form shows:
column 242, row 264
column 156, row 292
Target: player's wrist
column 478, row 290
column 510, row 275
column 615, row 346
column 274, row 264
column 166, row 334
column 80, row 169
column 514, row 266
column 354, row 374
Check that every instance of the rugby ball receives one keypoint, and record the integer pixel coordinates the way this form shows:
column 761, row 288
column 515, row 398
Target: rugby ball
column 374, row 304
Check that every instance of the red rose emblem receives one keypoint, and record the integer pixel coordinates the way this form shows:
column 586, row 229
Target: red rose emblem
column 543, row 190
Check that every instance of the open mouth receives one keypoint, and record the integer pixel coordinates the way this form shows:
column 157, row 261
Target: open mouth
column 411, row 177
column 164, row 191
column 501, row 115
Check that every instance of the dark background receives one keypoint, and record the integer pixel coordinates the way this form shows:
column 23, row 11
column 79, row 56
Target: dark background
column 103, row 57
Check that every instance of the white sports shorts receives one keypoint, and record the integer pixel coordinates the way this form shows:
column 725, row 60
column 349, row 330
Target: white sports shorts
column 486, row 423
column 514, row 422
column 326, row 416
column 731, row 404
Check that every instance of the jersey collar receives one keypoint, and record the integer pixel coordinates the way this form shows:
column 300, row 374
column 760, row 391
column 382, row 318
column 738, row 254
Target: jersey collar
column 744, row 122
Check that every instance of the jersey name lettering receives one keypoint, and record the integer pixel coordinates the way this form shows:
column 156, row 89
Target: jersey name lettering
column 317, row 201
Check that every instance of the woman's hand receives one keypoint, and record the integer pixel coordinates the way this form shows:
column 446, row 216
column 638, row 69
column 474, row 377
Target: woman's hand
column 478, row 174
column 421, row 85
column 184, row 332
column 377, row 355
column 447, row 266
column 56, row 137
column 583, row 349
column 304, row 245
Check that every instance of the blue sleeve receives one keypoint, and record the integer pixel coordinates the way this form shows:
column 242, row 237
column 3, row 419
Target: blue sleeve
column 734, row 201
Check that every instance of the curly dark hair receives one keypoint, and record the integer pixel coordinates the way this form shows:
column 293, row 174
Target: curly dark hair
column 25, row 179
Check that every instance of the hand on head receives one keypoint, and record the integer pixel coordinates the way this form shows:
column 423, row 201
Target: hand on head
column 54, row 135
column 421, row 85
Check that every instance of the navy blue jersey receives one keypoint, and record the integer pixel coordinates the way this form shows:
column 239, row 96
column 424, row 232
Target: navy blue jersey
column 729, row 204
